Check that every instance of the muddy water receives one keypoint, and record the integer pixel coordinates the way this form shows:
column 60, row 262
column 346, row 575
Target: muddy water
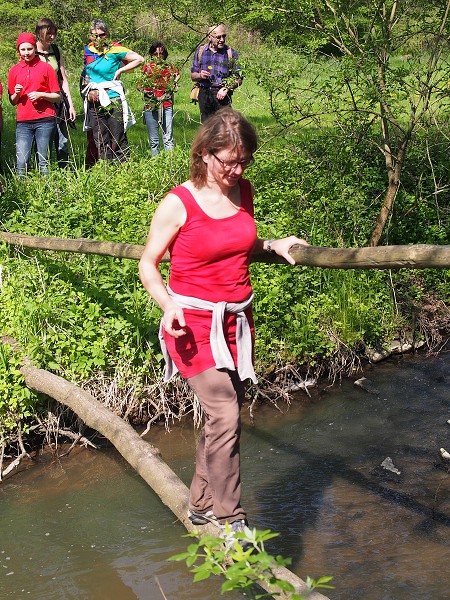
column 87, row 527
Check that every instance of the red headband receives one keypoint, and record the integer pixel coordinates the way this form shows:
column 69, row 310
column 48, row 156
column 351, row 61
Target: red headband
column 26, row 38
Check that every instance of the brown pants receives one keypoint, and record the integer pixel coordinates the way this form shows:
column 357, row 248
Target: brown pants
column 216, row 484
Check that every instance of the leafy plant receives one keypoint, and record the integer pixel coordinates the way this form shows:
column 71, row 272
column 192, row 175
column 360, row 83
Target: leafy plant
column 17, row 402
column 244, row 562
column 157, row 76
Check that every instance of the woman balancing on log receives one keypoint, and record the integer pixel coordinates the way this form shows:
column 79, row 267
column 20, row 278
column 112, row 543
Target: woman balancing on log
column 207, row 329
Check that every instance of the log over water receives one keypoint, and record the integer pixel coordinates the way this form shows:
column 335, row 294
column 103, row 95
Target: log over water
column 141, row 455
column 419, row 256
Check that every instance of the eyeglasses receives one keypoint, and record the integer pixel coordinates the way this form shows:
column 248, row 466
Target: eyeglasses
column 219, row 37
column 230, row 165
column 98, row 35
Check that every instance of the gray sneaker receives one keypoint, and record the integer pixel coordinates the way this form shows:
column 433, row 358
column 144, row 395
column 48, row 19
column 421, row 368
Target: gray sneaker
column 229, row 531
column 238, row 526
column 197, row 518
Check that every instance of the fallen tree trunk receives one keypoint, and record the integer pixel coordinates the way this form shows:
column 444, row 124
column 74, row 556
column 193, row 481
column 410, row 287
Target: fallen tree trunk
column 142, row 456
column 419, row 256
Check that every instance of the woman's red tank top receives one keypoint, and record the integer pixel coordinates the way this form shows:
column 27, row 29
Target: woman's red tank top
column 209, row 260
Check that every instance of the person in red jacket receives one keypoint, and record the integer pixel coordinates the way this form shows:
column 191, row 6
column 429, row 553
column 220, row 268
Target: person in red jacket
column 33, row 88
column 207, row 224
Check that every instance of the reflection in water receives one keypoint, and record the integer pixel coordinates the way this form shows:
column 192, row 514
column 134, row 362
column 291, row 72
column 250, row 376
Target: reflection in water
column 89, row 528
column 380, row 535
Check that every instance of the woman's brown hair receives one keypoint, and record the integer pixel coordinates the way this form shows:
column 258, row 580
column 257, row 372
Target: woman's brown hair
column 226, row 128
column 45, row 26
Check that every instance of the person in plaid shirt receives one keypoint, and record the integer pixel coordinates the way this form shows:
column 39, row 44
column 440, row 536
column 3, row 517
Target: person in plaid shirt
column 216, row 71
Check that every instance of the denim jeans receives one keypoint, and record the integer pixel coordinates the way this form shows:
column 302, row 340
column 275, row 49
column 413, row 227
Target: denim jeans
column 41, row 132
column 156, row 121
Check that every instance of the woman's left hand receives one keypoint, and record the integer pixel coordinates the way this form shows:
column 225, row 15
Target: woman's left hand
column 34, row 96
column 283, row 245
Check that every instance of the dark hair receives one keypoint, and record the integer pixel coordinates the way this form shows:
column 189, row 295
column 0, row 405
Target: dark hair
column 155, row 46
column 226, row 128
column 44, row 26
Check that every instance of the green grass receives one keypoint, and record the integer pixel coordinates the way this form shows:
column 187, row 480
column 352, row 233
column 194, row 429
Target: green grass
column 88, row 318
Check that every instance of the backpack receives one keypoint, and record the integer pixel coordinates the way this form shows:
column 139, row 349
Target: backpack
column 64, row 104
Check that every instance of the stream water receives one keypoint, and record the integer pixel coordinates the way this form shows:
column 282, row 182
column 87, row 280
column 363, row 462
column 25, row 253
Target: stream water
column 88, row 527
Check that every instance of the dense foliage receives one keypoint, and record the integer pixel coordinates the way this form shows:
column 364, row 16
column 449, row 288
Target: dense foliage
column 88, row 318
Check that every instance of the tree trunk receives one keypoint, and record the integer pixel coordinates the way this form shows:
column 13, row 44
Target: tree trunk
column 419, row 256
column 385, row 211
column 81, row 246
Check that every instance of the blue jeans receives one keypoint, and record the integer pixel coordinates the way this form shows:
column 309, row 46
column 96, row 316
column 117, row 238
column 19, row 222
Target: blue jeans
column 39, row 131
column 156, row 120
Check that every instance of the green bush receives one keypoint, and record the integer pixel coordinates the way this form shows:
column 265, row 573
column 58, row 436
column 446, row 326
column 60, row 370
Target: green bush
column 17, row 402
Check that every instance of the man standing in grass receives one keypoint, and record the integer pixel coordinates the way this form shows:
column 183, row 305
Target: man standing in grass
column 216, row 71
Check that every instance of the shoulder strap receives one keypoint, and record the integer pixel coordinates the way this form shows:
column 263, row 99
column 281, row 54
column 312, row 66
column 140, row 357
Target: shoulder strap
column 57, row 54
column 200, row 53
column 183, row 194
column 203, row 46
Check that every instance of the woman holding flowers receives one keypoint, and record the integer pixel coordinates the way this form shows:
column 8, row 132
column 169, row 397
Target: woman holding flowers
column 159, row 82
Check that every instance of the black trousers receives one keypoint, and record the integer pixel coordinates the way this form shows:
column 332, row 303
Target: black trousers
column 108, row 130
column 208, row 103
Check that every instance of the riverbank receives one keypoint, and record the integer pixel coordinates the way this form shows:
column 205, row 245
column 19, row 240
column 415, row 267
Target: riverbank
column 87, row 318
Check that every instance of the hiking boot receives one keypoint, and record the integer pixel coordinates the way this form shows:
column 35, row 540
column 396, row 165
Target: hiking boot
column 197, row 518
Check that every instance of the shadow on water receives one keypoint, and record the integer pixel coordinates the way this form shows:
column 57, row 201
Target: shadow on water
column 322, row 471
column 381, row 534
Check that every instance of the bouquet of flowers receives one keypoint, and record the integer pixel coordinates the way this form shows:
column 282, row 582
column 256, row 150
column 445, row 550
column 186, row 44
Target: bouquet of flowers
column 157, row 78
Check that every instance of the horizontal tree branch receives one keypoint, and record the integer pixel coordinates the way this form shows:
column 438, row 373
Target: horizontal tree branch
column 418, row 256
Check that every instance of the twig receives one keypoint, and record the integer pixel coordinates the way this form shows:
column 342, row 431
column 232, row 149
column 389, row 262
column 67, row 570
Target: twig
column 160, row 588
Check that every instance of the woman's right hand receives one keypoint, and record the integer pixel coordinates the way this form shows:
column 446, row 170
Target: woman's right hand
column 173, row 321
